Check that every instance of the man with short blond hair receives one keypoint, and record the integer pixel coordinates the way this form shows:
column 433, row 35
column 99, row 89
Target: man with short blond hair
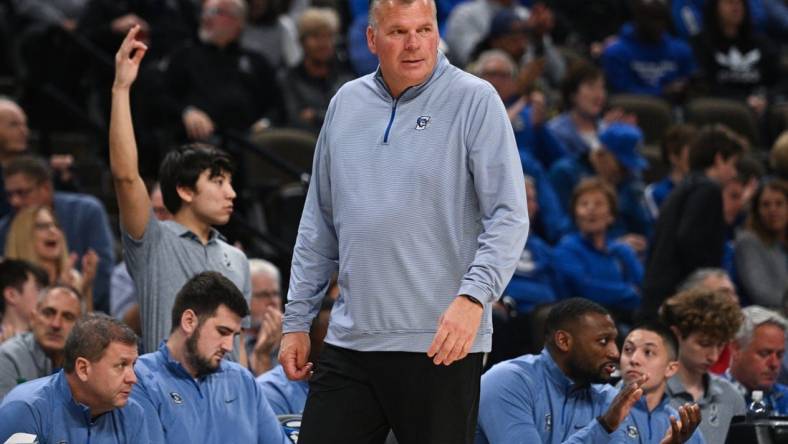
column 417, row 201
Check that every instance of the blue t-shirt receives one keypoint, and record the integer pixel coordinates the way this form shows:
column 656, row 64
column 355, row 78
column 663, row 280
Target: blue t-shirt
column 644, row 427
column 226, row 406
column 44, row 407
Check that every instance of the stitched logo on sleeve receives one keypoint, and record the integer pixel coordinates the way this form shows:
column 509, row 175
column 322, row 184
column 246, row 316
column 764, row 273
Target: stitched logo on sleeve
column 422, row 122
column 176, row 398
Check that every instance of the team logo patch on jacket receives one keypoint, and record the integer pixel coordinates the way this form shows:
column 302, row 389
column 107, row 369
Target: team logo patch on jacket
column 176, row 398
column 422, row 122
column 632, row 432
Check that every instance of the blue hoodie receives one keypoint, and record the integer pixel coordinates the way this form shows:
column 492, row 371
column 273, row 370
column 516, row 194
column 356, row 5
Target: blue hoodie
column 632, row 66
column 529, row 400
column 533, row 282
column 610, row 277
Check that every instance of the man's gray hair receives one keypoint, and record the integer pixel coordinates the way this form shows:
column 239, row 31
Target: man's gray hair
column 265, row 267
column 477, row 67
column 46, row 291
column 697, row 277
column 754, row 317
column 373, row 5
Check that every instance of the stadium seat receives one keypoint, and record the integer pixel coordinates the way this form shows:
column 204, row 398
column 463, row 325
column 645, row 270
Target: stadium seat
column 732, row 113
column 653, row 114
column 294, row 146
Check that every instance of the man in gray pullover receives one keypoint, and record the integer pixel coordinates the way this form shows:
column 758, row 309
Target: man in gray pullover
column 417, row 202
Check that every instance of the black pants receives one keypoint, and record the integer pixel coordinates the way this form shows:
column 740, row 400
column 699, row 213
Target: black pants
column 356, row 397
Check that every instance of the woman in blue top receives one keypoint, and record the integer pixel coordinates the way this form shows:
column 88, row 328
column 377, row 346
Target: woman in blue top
column 588, row 263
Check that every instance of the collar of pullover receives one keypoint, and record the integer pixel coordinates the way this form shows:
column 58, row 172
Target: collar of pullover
column 441, row 65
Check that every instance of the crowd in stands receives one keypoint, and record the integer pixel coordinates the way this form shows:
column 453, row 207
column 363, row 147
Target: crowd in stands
column 682, row 224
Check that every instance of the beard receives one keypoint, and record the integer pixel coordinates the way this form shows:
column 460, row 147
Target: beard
column 200, row 364
column 583, row 372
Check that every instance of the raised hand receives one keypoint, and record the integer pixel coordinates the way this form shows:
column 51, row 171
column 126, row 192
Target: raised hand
column 623, row 402
column 128, row 59
column 681, row 429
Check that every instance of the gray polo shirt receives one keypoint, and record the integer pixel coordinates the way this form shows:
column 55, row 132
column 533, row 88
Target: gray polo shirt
column 168, row 255
column 21, row 360
column 720, row 402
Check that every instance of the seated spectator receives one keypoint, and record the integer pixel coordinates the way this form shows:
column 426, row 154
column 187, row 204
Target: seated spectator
column 688, row 16
column 88, row 400
column 469, row 23
column 591, row 265
column 760, row 249
column 189, row 369
column 717, row 280
column 289, row 397
column 704, row 322
column 272, row 33
column 35, row 236
column 534, row 140
column 265, row 309
column 308, row 88
column 38, row 353
column 617, row 161
column 124, row 303
column 534, row 281
column 757, row 354
column 778, row 156
column 651, row 350
column 20, row 282
column 13, row 140
column 583, row 95
column 560, row 395
column 675, row 152
column 690, row 230
column 735, row 61
column 645, row 59
column 83, row 219
column 527, row 112
column 513, row 35
column 235, row 90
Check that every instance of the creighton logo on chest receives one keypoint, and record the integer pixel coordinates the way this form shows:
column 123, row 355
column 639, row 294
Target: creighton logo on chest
column 422, row 122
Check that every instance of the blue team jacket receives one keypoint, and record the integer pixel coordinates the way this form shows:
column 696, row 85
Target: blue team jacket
column 529, row 400
column 44, row 407
column 226, row 406
column 644, row 427
column 285, row 396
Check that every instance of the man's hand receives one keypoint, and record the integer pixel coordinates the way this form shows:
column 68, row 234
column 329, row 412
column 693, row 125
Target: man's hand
column 681, row 430
column 128, row 59
column 198, row 125
column 269, row 335
column 623, row 402
column 457, row 329
column 293, row 355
